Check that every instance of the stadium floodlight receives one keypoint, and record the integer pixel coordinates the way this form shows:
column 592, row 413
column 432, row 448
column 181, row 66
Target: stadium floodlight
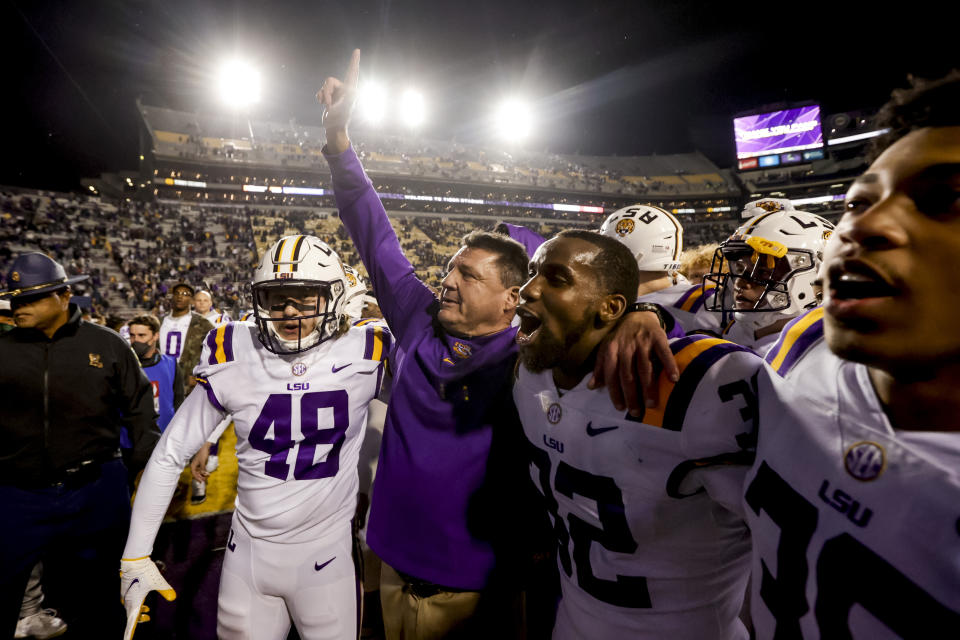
column 413, row 110
column 239, row 84
column 372, row 103
column 514, row 119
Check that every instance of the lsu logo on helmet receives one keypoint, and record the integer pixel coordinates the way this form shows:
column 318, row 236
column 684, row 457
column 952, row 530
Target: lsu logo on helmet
column 625, row 227
column 769, row 205
column 351, row 279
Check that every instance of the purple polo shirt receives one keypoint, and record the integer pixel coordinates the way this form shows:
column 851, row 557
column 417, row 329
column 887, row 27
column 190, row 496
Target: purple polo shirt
column 447, row 393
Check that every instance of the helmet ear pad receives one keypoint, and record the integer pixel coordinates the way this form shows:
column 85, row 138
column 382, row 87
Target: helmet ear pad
column 295, row 264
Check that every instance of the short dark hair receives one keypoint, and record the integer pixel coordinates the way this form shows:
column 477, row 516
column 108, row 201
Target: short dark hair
column 615, row 266
column 926, row 103
column 183, row 285
column 147, row 320
column 511, row 256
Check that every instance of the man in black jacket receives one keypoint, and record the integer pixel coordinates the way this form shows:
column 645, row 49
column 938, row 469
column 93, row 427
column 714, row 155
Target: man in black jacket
column 67, row 387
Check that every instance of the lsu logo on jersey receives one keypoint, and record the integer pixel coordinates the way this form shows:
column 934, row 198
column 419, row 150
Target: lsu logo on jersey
column 95, row 360
column 462, row 350
column 625, row 227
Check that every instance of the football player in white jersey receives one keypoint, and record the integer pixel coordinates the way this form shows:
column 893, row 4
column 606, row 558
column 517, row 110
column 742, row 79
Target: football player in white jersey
column 297, row 383
column 655, row 238
column 854, row 501
column 646, row 511
column 764, row 274
column 174, row 326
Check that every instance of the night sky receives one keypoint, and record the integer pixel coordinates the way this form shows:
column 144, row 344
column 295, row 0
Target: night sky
column 605, row 78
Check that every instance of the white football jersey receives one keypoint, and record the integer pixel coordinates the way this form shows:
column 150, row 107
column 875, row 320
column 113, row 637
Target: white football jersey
column 217, row 318
column 173, row 334
column 647, row 510
column 745, row 336
column 685, row 302
column 299, row 419
column 856, row 526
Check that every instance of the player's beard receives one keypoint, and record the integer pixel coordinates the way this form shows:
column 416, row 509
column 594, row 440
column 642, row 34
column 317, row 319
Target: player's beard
column 547, row 351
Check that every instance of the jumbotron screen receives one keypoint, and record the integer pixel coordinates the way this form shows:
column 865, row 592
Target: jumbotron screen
column 778, row 131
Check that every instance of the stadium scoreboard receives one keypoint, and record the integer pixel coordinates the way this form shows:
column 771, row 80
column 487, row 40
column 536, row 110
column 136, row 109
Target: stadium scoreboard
column 776, row 138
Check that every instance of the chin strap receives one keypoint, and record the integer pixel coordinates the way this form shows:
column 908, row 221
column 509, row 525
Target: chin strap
column 293, row 345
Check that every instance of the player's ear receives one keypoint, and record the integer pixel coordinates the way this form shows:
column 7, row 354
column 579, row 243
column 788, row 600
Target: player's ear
column 511, row 299
column 612, row 308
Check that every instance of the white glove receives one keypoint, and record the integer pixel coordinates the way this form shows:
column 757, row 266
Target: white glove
column 338, row 96
column 138, row 578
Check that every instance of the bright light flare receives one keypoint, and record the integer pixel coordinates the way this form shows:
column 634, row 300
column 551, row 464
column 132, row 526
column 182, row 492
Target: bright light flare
column 514, row 119
column 372, row 103
column 239, row 84
column 413, row 108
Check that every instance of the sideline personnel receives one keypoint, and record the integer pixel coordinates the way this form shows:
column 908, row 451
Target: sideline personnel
column 67, row 387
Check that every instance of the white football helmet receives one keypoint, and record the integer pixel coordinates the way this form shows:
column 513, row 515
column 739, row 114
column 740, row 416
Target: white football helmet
column 653, row 235
column 356, row 290
column 780, row 251
column 298, row 262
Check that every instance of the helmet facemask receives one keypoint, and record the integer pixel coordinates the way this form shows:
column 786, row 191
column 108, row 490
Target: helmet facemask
column 783, row 276
column 296, row 315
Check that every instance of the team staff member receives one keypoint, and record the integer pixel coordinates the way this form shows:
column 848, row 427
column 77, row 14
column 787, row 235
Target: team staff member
column 162, row 370
column 67, row 387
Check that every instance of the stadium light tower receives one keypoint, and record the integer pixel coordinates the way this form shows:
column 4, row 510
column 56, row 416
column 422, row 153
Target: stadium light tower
column 413, row 109
column 514, row 119
column 239, row 84
column 372, row 103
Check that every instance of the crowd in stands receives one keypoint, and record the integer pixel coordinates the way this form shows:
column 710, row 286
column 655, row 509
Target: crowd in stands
column 135, row 251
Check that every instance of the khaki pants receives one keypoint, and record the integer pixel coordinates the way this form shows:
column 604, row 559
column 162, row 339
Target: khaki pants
column 461, row 615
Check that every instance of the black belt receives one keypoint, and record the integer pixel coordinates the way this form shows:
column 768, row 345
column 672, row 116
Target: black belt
column 425, row 588
column 79, row 475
